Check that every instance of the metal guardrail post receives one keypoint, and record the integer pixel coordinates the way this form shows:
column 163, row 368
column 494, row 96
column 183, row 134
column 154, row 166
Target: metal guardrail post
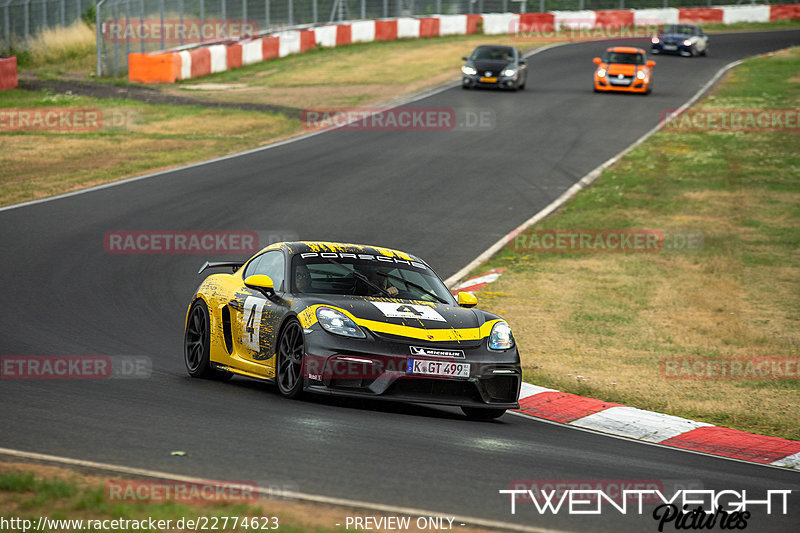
column 314, row 11
column 98, row 9
column 161, row 10
column 291, row 12
column 7, row 25
column 266, row 14
column 27, row 20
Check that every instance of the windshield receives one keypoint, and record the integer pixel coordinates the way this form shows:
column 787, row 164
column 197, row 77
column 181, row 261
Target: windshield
column 626, row 58
column 495, row 53
column 679, row 28
column 367, row 276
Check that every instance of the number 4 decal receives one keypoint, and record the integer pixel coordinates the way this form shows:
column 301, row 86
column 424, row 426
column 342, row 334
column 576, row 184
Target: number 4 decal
column 409, row 309
column 251, row 318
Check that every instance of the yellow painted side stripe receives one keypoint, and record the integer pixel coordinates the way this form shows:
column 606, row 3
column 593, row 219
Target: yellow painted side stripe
column 308, row 318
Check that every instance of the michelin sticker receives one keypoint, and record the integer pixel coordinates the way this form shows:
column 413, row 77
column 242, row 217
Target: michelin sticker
column 420, row 312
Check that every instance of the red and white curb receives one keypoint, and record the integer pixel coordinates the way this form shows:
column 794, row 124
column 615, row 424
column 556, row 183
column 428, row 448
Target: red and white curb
column 648, row 426
column 476, row 283
column 622, row 421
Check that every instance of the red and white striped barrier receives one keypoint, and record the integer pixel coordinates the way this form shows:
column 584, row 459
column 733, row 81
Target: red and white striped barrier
column 172, row 66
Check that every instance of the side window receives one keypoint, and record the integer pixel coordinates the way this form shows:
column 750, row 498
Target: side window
column 269, row 264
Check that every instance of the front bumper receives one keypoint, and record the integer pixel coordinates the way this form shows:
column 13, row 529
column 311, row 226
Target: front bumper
column 379, row 369
column 503, row 82
column 671, row 48
column 636, row 86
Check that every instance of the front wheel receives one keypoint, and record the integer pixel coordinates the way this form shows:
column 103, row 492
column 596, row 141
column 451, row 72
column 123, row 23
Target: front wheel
column 197, row 344
column 477, row 413
column 289, row 360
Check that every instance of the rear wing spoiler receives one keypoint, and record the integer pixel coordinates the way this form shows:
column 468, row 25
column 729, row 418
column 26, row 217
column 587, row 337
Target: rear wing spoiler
column 235, row 265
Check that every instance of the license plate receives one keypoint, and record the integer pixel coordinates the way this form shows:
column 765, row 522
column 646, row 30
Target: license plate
column 488, row 80
column 670, row 47
column 619, row 82
column 438, row 368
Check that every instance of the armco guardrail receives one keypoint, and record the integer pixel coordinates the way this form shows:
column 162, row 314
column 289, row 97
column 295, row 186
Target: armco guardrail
column 181, row 64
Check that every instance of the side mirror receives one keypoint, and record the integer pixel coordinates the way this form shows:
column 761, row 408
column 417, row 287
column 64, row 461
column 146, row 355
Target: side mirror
column 651, row 63
column 464, row 58
column 466, row 299
column 597, row 60
column 261, row 283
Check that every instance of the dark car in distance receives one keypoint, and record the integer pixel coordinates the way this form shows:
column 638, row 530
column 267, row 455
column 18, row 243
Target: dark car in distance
column 685, row 39
column 496, row 66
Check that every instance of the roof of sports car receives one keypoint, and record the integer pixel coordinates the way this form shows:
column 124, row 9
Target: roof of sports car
column 339, row 247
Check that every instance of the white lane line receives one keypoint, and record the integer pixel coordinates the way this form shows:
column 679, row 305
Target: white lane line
column 266, row 492
column 582, row 184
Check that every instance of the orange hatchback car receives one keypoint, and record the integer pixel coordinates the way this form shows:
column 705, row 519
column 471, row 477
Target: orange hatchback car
column 624, row 68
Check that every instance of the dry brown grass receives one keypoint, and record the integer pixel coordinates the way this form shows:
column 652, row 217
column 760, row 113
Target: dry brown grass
column 69, row 47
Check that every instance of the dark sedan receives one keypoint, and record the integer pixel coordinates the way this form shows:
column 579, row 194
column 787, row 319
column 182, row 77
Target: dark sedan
column 496, row 66
column 684, row 39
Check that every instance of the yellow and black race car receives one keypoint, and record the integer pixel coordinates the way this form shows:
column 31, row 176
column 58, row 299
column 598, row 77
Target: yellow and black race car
column 351, row 320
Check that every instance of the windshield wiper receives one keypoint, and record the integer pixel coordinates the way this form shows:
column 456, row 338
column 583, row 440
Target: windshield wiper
column 418, row 287
column 359, row 276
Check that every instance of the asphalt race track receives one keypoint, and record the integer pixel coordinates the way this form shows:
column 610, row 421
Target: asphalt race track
column 445, row 196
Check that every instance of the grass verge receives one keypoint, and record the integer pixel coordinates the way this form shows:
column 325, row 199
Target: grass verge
column 29, row 491
column 602, row 324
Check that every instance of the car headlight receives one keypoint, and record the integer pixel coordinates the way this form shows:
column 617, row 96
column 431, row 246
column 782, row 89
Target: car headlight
column 655, row 40
column 687, row 42
column 601, row 73
column 469, row 71
column 501, row 338
column 337, row 323
column 640, row 74
column 509, row 72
